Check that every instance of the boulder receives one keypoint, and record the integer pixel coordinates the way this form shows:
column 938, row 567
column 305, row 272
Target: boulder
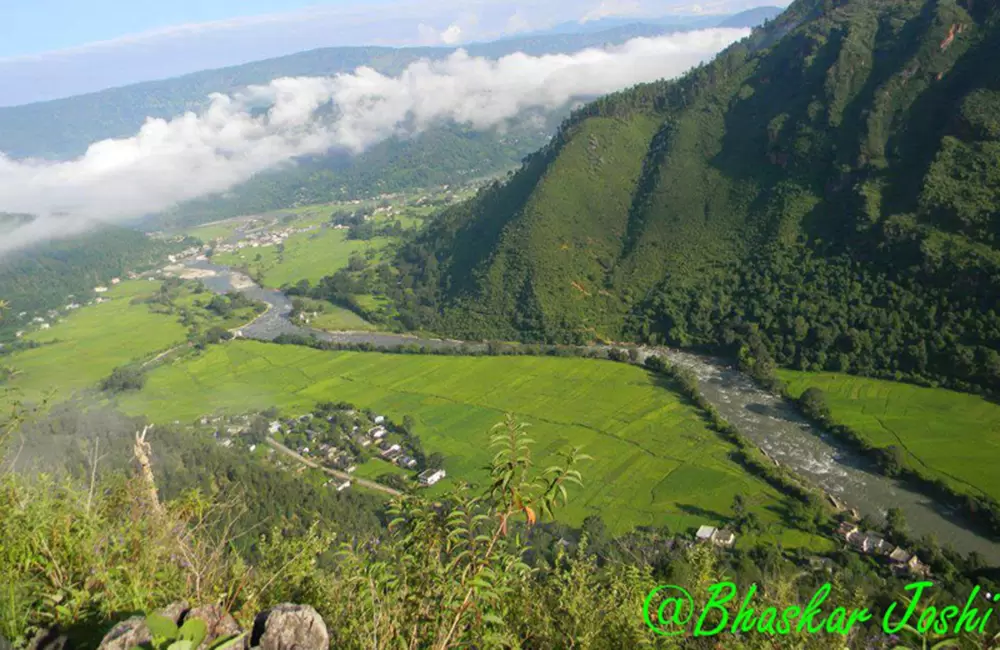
column 290, row 627
column 51, row 639
column 133, row 631
column 218, row 621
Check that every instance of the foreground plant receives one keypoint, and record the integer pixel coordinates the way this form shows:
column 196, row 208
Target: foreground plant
column 189, row 636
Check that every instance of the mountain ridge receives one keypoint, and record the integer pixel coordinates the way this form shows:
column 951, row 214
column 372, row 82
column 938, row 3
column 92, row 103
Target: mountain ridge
column 848, row 141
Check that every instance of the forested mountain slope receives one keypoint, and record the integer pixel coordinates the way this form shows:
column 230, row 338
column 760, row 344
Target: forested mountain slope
column 824, row 193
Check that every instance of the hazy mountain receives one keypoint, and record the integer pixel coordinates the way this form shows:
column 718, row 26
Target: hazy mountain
column 66, row 127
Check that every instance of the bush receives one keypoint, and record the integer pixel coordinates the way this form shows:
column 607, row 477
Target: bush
column 124, row 379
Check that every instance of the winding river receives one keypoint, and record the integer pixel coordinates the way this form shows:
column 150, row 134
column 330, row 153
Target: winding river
column 768, row 420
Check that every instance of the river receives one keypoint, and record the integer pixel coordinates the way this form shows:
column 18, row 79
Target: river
column 766, row 419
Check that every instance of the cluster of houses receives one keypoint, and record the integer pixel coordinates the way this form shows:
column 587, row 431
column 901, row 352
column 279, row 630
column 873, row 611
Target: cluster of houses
column 263, row 239
column 52, row 316
column 336, row 441
column 901, row 561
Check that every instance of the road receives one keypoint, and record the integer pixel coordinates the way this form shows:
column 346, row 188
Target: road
column 332, row 472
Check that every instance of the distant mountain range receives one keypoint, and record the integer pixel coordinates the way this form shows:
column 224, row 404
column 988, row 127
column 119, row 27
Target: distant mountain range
column 63, row 128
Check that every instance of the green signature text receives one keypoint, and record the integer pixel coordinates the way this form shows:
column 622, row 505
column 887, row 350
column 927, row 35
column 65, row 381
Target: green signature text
column 669, row 610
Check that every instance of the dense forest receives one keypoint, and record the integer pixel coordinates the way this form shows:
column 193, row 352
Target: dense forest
column 828, row 185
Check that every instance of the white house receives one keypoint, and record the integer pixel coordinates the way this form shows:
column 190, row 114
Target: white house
column 343, row 486
column 705, row 533
column 379, row 419
column 100, row 289
column 377, row 433
column 45, row 326
column 431, row 476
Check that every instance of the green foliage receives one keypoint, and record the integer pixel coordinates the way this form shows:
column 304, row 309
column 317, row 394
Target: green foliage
column 821, row 196
column 44, row 277
column 124, row 379
column 189, row 636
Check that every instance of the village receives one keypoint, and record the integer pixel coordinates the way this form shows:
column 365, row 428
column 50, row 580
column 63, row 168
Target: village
column 339, row 438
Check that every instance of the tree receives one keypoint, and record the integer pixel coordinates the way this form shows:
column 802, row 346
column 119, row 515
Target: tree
column 124, row 379
column 896, row 521
column 813, row 403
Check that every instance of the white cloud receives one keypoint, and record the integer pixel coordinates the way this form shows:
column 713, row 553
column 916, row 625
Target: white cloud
column 451, row 35
column 196, row 155
column 611, row 8
column 517, row 23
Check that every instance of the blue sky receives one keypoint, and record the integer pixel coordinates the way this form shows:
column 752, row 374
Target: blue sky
column 57, row 48
column 43, row 25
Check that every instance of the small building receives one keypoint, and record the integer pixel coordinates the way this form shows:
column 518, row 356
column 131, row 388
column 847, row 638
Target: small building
column 100, row 289
column 431, row 476
column 379, row 419
column 900, row 556
column 116, row 281
column 253, row 448
column 45, row 326
column 407, row 461
column 274, row 427
column 716, row 536
column 377, row 433
column 724, row 538
column 350, row 470
column 846, row 529
column 343, row 486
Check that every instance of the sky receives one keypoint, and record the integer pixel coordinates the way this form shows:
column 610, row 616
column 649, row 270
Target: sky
column 58, row 48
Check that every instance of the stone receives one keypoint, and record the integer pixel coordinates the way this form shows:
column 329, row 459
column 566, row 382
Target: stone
column 133, row 632
column 290, row 627
column 50, row 639
column 218, row 621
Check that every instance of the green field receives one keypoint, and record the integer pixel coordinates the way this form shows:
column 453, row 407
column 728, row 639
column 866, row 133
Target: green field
column 307, row 256
column 949, row 435
column 655, row 461
column 333, row 317
column 89, row 343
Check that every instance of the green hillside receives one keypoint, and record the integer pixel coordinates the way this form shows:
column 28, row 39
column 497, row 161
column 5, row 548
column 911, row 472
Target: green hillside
column 45, row 276
column 823, row 193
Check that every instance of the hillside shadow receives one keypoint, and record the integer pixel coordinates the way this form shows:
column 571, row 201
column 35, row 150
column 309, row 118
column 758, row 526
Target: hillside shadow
column 705, row 513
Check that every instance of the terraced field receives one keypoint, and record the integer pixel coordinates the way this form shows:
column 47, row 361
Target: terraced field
column 655, row 461
column 951, row 435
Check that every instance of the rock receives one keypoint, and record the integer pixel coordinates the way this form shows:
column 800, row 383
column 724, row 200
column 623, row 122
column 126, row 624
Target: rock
column 218, row 620
column 290, row 627
column 50, row 639
column 133, row 632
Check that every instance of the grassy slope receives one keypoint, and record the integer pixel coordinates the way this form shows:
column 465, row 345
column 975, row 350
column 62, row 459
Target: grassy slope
column 91, row 342
column 655, row 462
column 307, row 256
column 927, row 422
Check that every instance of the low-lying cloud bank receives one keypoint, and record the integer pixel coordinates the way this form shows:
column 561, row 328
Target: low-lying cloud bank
column 191, row 156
